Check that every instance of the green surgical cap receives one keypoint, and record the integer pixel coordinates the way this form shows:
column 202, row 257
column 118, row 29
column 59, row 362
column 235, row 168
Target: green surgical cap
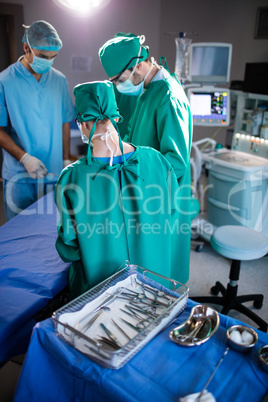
column 96, row 101
column 117, row 52
column 129, row 35
column 43, row 36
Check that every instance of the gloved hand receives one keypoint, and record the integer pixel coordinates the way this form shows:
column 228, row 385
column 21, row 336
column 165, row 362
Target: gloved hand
column 34, row 166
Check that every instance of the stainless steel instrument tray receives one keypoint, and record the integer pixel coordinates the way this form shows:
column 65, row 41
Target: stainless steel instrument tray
column 67, row 319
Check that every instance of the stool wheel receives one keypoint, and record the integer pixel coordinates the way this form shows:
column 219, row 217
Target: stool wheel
column 199, row 248
column 257, row 304
column 215, row 290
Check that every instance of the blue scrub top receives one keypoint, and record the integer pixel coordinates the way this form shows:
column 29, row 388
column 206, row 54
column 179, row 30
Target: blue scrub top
column 33, row 113
column 116, row 159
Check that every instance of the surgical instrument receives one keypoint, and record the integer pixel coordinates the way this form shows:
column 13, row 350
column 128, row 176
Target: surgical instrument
column 111, row 335
column 212, row 374
column 142, row 311
column 103, row 342
column 142, row 299
column 142, row 321
column 191, row 336
column 150, row 290
column 156, row 293
column 131, row 325
column 101, row 306
column 93, row 319
column 135, row 314
column 141, row 295
column 147, row 308
column 121, row 330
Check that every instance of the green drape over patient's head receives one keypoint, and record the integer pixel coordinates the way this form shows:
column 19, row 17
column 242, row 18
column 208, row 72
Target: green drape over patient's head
column 96, row 101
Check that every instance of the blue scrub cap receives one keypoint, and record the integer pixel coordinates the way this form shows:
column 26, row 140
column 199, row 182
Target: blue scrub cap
column 43, row 36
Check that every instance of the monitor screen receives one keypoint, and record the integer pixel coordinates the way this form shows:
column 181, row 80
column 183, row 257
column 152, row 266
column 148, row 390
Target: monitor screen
column 210, row 106
column 210, row 62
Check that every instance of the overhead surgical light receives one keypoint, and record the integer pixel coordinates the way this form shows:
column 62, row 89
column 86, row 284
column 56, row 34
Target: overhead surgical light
column 81, row 7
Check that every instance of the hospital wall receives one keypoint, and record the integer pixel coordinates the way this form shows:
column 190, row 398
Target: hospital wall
column 213, row 20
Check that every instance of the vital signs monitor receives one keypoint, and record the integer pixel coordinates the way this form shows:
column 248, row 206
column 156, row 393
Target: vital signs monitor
column 210, row 106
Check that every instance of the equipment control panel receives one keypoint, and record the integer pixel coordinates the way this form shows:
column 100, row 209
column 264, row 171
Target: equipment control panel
column 250, row 144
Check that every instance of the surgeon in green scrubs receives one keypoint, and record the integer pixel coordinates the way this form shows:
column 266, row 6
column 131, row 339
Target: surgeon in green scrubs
column 162, row 118
column 126, row 103
column 117, row 203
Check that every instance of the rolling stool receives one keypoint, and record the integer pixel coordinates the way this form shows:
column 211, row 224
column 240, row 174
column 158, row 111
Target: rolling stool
column 237, row 243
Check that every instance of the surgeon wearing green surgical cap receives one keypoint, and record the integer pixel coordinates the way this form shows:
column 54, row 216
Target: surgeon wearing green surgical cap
column 126, row 104
column 162, row 118
column 35, row 114
column 117, row 203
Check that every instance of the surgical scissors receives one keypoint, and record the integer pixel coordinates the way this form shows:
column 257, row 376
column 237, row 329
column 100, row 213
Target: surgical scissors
column 146, row 308
column 142, row 310
column 156, row 293
column 138, row 297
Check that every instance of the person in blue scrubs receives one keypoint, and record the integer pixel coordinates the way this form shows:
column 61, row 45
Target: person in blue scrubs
column 35, row 114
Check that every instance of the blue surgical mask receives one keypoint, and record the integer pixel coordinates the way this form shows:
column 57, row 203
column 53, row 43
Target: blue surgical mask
column 39, row 65
column 128, row 88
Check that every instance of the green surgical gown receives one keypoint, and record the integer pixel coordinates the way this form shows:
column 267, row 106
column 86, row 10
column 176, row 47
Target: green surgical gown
column 110, row 214
column 162, row 120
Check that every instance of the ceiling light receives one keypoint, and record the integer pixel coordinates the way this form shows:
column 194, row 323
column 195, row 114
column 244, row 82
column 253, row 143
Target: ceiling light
column 81, row 7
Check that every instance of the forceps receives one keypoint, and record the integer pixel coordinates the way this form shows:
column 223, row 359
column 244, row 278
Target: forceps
column 111, row 335
column 104, row 342
column 121, row 330
column 142, row 321
column 131, row 325
column 102, row 306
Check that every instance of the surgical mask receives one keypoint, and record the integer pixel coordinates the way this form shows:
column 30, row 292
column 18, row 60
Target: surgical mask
column 39, row 65
column 128, row 88
column 83, row 136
